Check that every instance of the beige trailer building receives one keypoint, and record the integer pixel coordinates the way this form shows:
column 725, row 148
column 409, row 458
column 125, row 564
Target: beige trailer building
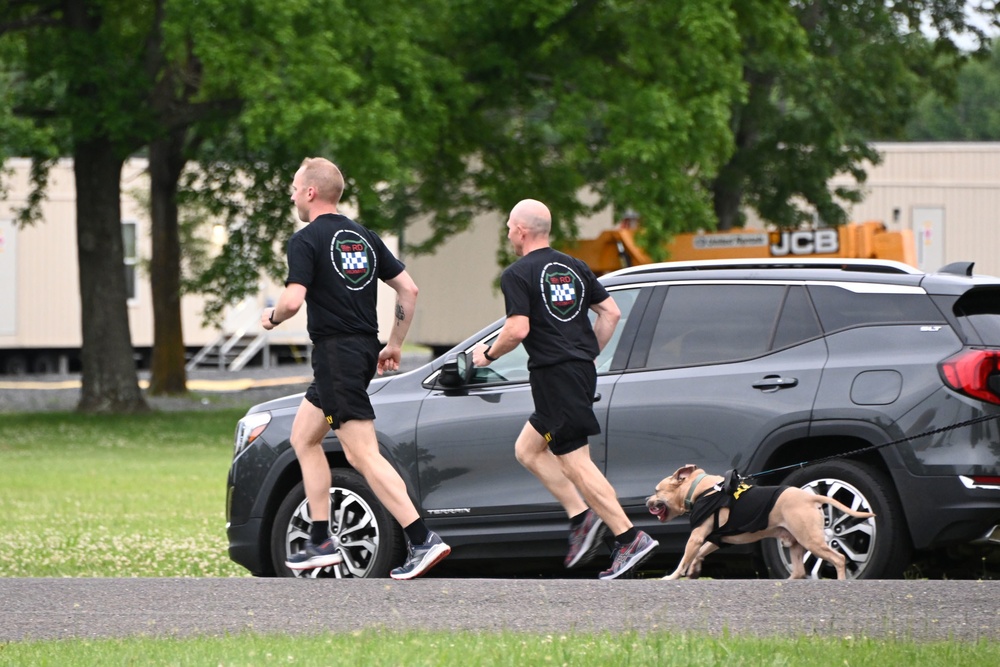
column 40, row 293
column 947, row 193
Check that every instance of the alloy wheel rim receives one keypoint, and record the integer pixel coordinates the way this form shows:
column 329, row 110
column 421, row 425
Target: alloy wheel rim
column 352, row 522
column 853, row 537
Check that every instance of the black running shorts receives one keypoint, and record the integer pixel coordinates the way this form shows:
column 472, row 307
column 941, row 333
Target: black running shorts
column 343, row 366
column 564, row 404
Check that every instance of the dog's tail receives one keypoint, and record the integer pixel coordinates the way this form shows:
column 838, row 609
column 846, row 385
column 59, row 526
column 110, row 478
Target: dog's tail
column 825, row 500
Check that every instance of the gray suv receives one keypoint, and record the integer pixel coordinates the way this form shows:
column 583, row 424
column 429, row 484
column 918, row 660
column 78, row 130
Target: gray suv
column 756, row 365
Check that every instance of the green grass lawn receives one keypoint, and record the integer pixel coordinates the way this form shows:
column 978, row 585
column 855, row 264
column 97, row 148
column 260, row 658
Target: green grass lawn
column 115, row 496
column 469, row 649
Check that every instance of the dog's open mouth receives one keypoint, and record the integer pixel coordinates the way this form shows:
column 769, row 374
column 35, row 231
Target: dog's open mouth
column 659, row 510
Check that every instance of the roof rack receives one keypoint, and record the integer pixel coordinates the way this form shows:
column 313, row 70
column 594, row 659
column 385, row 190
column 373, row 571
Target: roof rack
column 844, row 264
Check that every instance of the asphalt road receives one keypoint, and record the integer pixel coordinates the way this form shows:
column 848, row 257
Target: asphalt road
column 93, row 608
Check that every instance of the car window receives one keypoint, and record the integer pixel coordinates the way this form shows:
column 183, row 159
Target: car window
column 701, row 324
column 840, row 308
column 513, row 366
column 979, row 312
column 798, row 321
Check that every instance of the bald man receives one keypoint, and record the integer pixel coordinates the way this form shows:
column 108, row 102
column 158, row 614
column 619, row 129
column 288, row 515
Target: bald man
column 548, row 295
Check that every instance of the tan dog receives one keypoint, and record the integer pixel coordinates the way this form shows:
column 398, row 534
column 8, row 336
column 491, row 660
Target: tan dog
column 795, row 518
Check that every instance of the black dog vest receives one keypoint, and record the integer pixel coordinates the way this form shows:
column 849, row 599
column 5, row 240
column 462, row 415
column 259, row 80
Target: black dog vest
column 749, row 507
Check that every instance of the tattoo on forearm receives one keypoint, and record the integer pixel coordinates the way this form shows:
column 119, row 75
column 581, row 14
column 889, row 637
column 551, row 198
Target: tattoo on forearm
column 400, row 314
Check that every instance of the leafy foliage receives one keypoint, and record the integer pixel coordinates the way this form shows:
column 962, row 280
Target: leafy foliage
column 848, row 73
column 969, row 112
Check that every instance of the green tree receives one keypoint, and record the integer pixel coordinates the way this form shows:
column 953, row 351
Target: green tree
column 630, row 100
column 240, row 85
column 969, row 112
column 80, row 75
column 852, row 74
column 495, row 102
column 374, row 92
column 252, row 88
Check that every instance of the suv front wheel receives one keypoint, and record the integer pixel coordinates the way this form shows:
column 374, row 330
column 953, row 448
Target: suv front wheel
column 876, row 548
column 371, row 542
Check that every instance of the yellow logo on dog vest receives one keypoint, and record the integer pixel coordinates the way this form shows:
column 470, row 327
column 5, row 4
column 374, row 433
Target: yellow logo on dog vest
column 739, row 490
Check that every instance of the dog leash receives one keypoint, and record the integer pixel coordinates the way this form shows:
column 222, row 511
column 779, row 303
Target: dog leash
column 968, row 422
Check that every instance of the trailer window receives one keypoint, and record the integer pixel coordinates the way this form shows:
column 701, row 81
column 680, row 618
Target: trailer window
column 131, row 258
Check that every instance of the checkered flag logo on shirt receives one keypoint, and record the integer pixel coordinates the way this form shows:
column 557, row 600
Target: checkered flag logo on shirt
column 561, row 289
column 353, row 258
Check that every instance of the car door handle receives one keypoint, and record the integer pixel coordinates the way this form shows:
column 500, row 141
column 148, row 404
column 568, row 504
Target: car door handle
column 774, row 383
column 597, row 398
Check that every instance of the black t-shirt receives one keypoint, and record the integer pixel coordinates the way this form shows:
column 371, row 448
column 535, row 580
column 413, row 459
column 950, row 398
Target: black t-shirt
column 555, row 291
column 340, row 262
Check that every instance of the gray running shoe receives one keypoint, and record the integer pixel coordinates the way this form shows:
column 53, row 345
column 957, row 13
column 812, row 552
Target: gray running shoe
column 585, row 540
column 627, row 557
column 316, row 555
column 422, row 557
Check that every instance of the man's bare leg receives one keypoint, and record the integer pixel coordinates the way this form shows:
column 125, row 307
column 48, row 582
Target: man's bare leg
column 357, row 436
column 533, row 453
column 579, row 469
column 308, row 430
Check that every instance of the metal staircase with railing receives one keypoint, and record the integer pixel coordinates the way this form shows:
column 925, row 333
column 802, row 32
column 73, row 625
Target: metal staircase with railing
column 240, row 341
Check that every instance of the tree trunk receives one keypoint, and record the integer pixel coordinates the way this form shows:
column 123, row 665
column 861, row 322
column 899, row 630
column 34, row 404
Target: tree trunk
column 110, row 383
column 729, row 187
column 727, row 197
column 166, row 162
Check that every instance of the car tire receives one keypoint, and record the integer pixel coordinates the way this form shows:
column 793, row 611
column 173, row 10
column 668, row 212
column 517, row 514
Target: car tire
column 876, row 548
column 371, row 542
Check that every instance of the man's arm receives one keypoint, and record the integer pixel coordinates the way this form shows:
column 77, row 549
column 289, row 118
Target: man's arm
column 515, row 329
column 608, row 315
column 288, row 305
column 406, row 304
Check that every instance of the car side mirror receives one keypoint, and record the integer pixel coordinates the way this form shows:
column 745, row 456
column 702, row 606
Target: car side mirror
column 457, row 370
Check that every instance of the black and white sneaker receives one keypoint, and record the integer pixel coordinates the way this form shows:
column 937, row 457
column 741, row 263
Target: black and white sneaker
column 316, row 555
column 422, row 557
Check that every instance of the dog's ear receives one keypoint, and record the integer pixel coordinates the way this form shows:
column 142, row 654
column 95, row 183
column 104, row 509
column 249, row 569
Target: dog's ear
column 684, row 472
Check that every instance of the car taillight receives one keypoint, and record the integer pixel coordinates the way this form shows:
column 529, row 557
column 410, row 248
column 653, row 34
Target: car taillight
column 974, row 373
column 986, row 480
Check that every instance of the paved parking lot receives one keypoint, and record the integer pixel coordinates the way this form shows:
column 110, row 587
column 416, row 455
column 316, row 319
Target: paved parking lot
column 209, row 389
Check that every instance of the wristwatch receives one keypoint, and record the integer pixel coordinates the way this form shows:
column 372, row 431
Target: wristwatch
column 486, row 353
column 270, row 318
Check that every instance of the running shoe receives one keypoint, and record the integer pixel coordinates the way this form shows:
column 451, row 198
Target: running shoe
column 585, row 540
column 422, row 557
column 316, row 555
column 627, row 557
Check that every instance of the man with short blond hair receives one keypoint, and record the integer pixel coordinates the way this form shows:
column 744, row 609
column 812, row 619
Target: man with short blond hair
column 334, row 265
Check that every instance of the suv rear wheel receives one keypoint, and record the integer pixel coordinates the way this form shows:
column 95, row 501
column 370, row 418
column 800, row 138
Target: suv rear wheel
column 371, row 541
column 876, row 548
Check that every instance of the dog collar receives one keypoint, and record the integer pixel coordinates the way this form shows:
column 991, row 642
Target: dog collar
column 688, row 500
